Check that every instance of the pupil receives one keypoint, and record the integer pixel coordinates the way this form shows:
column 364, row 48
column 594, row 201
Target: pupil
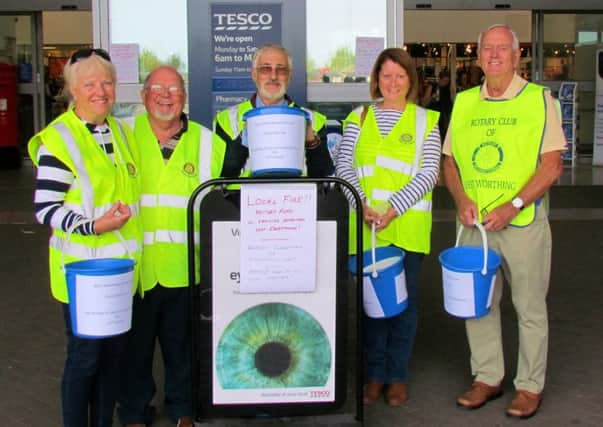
column 272, row 359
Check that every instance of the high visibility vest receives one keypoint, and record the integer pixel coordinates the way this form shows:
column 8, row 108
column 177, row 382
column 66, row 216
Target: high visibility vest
column 98, row 185
column 385, row 165
column 231, row 120
column 166, row 189
column 496, row 145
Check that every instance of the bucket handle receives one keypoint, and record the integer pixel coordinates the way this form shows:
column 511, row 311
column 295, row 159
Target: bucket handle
column 75, row 225
column 374, row 273
column 482, row 231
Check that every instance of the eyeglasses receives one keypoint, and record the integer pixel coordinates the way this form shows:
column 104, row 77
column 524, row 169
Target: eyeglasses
column 172, row 90
column 87, row 53
column 267, row 70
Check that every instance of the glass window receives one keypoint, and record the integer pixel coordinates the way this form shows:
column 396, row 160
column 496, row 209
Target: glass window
column 332, row 29
column 444, row 42
column 160, row 33
column 569, row 44
column 161, row 36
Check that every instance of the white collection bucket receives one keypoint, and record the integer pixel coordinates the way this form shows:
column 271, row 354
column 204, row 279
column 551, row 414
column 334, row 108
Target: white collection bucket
column 468, row 277
column 100, row 295
column 383, row 280
column 275, row 138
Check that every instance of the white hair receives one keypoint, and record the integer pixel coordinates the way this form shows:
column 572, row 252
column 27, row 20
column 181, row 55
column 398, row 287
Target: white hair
column 515, row 44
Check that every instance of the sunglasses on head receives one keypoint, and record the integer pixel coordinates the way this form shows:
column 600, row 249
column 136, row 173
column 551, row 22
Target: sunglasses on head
column 87, row 53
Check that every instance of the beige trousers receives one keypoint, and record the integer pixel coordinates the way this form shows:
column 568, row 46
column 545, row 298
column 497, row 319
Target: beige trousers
column 526, row 266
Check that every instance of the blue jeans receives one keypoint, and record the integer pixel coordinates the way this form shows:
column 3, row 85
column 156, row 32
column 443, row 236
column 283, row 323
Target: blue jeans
column 162, row 314
column 90, row 378
column 389, row 342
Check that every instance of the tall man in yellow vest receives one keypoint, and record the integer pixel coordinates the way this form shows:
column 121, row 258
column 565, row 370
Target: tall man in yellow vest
column 503, row 152
column 271, row 72
column 174, row 156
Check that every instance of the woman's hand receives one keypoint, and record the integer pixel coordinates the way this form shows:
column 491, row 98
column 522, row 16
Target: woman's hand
column 113, row 219
column 384, row 220
column 381, row 220
column 369, row 215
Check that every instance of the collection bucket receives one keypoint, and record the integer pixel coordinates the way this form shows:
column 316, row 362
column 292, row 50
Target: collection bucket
column 275, row 138
column 468, row 277
column 100, row 296
column 383, row 281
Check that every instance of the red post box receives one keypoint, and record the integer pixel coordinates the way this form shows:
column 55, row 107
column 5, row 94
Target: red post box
column 9, row 150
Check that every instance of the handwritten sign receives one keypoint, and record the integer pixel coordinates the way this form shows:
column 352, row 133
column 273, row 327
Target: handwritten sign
column 125, row 58
column 278, row 238
column 367, row 50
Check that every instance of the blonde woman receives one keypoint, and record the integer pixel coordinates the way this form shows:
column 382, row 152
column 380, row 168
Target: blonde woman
column 86, row 187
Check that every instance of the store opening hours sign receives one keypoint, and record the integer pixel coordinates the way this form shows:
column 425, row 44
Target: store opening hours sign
column 237, row 31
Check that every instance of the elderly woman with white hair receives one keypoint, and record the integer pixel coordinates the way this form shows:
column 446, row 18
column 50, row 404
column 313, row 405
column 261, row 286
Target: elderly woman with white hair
column 87, row 186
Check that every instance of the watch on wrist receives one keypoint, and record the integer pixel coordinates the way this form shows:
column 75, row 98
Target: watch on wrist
column 517, row 202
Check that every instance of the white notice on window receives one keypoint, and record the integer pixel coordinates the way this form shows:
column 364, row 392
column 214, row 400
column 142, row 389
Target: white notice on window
column 278, row 238
column 367, row 50
column 125, row 58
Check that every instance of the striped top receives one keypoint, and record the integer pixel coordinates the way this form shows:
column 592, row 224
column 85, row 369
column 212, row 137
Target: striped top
column 54, row 179
column 418, row 186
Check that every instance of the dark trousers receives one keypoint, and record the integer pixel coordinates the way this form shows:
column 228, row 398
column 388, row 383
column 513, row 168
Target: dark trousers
column 389, row 341
column 163, row 314
column 90, row 378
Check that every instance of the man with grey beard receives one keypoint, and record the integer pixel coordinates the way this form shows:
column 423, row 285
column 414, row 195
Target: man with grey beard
column 174, row 156
column 271, row 72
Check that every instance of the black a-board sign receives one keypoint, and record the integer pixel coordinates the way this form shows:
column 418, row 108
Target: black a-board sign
column 270, row 354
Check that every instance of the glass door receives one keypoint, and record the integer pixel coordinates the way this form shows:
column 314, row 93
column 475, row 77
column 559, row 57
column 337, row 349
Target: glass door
column 20, row 41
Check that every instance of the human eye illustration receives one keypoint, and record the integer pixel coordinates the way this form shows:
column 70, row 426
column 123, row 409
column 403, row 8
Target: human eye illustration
column 273, row 345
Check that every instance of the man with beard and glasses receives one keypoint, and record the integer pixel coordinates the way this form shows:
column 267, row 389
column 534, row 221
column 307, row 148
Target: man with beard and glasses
column 174, row 156
column 271, row 72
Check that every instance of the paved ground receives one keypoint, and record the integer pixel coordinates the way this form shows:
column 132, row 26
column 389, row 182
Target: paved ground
column 32, row 340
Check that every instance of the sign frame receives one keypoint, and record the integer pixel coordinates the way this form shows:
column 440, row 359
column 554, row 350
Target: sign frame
column 223, row 205
column 293, row 19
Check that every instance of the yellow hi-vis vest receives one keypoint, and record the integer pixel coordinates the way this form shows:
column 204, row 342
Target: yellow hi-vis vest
column 385, row 165
column 496, row 145
column 99, row 184
column 231, row 120
column 166, row 189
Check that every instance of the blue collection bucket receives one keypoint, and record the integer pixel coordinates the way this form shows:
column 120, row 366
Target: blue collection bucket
column 468, row 277
column 100, row 296
column 100, row 293
column 276, row 140
column 384, row 290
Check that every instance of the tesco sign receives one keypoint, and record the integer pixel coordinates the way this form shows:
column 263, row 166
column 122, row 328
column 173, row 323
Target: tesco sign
column 243, row 18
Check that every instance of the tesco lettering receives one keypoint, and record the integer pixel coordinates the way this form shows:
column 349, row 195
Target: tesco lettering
column 243, row 18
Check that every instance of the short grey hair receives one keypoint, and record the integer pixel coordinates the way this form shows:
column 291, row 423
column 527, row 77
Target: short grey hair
column 268, row 47
column 514, row 45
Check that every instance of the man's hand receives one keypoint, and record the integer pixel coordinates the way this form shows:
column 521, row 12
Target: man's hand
column 113, row 219
column 466, row 208
column 500, row 217
column 467, row 211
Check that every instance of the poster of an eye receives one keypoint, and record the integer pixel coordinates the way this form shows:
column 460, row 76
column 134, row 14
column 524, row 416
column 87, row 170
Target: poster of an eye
column 272, row 347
